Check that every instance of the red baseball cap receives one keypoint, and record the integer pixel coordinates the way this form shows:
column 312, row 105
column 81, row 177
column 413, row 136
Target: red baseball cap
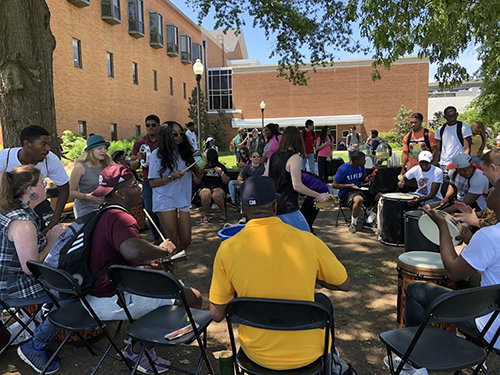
column 110, row 177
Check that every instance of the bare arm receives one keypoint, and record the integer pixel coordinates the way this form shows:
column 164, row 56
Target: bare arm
column 74, row 180
column 135, row 160
column 436, row 153
column 156, row 182
column 140, row 251
column 404, row 160
column 62, row 198
column 239, row 180
column 293, row 166
column 345, row 286
column 467, row 144
column 337, row 185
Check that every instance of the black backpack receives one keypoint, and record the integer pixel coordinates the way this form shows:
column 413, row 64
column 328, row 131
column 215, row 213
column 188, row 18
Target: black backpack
column 426, row 139
column 71, row 251
column 459, row 133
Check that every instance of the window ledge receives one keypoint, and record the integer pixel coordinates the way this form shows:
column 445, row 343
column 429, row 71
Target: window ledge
column 226, row 110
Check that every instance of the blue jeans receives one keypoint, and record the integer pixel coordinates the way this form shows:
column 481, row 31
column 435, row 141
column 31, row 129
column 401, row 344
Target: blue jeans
column 296, row 220
column 147, row 197
column 46, row 331
column 310, row 161
column 232, row 189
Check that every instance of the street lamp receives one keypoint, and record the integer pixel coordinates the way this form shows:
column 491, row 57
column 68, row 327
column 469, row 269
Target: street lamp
column 198, row 71
column 262, row 107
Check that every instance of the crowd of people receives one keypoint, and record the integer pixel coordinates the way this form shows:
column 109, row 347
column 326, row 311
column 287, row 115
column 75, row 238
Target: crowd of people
column 275, row 255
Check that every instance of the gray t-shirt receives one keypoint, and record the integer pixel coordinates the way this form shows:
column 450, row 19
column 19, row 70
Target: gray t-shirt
column 250, row 170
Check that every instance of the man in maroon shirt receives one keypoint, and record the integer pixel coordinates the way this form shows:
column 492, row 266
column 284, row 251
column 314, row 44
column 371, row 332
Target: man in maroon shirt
column 118, row 238
column 151, row 140
column 309, row 136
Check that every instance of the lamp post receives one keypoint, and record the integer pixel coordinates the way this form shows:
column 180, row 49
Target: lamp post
column 262, row 107
column 198, row 71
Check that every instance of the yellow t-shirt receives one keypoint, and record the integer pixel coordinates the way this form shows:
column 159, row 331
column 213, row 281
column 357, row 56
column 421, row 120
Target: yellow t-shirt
column 270, row 259
column 477, row 141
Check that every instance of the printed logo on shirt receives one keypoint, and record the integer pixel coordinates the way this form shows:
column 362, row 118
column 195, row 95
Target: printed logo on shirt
column 416, row 147
column 422, row 183
column 354, row 176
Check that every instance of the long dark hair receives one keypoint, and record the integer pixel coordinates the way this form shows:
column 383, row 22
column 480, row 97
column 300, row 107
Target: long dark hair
column 246, row 153
column 322, row 135
column 167, row 147
column 212, row 159
column 274, row 129
column 13, row 186
column 292, row 140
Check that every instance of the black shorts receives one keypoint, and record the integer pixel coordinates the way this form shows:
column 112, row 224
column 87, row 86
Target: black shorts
column 346, row 199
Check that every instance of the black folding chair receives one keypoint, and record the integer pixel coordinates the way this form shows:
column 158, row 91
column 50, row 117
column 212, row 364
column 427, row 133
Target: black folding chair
column 341, row 209
column 151, row 328
column 279, row 315
column 15, row 307
column 73, row 317
column 439, row 350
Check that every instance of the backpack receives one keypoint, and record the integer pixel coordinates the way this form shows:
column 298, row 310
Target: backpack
column 232, row 146
column 303, row 132
column 71, row 251
column 459, row 133
column 426, row 139
column 348, row 139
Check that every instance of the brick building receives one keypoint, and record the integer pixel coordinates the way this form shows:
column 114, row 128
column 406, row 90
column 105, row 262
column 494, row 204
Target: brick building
column 116, row 61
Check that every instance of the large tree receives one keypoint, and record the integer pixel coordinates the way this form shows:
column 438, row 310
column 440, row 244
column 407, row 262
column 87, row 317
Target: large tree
column 26, row 82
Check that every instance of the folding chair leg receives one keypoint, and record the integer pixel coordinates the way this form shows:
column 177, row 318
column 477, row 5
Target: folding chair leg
column 55, row 353
column 202, row 346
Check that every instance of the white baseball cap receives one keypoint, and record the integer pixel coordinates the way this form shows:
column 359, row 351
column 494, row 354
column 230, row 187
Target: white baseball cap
column 425, row 156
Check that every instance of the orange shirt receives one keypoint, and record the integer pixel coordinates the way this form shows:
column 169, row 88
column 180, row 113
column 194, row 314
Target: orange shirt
column 417, row 145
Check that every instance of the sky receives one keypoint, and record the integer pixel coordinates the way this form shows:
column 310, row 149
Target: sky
column 258, row 47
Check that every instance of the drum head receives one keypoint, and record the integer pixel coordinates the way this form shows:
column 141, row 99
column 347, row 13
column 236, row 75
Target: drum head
column 431, row 231
column 414, row 214
column 399, row 196
column 422, row 262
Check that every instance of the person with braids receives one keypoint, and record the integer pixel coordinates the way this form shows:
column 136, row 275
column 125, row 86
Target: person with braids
column 172, row 183
column 21, row 240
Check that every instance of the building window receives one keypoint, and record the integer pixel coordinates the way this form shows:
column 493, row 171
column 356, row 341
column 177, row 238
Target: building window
column 220, row 89
column 345, row 133
column 77, row 53
column 80, row 3
column 136, row 18
column 82, row 129
column 114, row 132
column 197, row 52
column 185, row 48
column 137, row 130
column 135, row 74
column 111, row 69
column 171, row 86
column 172, row 40
column 111, row 12
column 155, row 80
column 184, row 89
column 155, row 30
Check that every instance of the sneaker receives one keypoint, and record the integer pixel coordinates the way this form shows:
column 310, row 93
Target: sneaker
column 144, row 365
column 407, row 368
column 243, row 220
column 372, row 225
column 37, row 359
column 352, row 228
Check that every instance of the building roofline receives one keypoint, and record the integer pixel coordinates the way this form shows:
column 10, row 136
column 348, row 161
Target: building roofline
column 297, row 121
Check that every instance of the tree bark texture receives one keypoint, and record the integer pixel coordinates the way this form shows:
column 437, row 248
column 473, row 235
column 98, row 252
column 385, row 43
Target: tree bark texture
column 26, row 77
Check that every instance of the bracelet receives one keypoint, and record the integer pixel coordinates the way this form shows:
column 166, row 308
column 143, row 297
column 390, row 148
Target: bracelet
column 85, row 196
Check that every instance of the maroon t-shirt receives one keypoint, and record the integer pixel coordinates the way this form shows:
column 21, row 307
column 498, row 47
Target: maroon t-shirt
column 308, row 138
column 135, row 150
column 114, row 227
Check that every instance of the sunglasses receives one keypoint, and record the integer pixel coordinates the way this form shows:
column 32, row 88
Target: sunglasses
column 134, row 185
column 152, row 125
column 255, row 156
column 177, row 134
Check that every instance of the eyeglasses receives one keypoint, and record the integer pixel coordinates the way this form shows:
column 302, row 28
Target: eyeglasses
column 152, row 125
column 134, row 185
column 177, row 134
column 44, row 183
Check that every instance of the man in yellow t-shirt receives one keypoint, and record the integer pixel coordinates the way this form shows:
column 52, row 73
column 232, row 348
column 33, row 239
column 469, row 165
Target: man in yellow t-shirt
column 271, row 259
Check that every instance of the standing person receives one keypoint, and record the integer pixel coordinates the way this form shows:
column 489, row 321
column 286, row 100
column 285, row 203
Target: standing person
column 308, row 209
column 20, row 191
column 453, row 138
column 191, row 136
column 373, row 141
column 84, row 178
column 213, row 185
column 273, row 137
column 61, row 150
column 172, row 183
column 239, row 141
column 414, row 142
column 269, row 259
column 255, row 168
column 354, row 141
column 324, row 146
column 151, row 140
column 478, row 141
column 256, row 142
column 309, row 137
column 284, row 168
column 210, row 144
column 35, row 150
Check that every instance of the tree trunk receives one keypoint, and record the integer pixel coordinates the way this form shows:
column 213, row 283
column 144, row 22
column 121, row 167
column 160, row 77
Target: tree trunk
column 26, row 81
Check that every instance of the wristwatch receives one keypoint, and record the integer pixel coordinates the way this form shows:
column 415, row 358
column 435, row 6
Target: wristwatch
column 170, row 178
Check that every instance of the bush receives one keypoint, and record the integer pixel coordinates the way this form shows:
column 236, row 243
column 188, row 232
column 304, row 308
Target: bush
column 393, row 138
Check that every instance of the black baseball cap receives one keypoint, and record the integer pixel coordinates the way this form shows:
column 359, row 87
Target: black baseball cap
column 258, row 191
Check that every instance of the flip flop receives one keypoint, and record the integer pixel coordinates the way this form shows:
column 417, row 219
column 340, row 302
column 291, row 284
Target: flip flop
column 205, row 219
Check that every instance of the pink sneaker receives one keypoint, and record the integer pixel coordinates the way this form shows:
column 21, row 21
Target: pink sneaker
column 144, row 365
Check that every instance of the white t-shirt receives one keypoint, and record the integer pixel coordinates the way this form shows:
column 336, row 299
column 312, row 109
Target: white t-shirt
column 478, row 185
column 51, row 167
column 483, row 254
column 425, row 179
column 191, row 136
column 450, row 144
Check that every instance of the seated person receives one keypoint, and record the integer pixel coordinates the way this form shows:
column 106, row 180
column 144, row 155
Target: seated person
column 308, row 209
column 429, row 179
column 348, row 180
column 245, row 160
column 255, row 168
column 271, row 259
column 468, row 184
column 480, row 255
column 120, row 238
column 21, row 190
column 213, row 185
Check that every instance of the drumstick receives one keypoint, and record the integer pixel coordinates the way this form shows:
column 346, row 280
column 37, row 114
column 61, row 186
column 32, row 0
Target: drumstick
column 154, row 224
column 438, row 207
column 185, row 170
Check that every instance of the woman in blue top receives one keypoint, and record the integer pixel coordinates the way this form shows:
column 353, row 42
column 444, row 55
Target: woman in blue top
column 172, row 183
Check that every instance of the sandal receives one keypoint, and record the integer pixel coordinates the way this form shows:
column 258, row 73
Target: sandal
column 205, row 219
column 222, row 219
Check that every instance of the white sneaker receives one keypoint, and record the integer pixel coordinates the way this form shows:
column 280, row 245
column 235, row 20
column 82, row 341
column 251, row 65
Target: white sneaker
column 352, row 228
column 407, row 368
column 421, row 371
